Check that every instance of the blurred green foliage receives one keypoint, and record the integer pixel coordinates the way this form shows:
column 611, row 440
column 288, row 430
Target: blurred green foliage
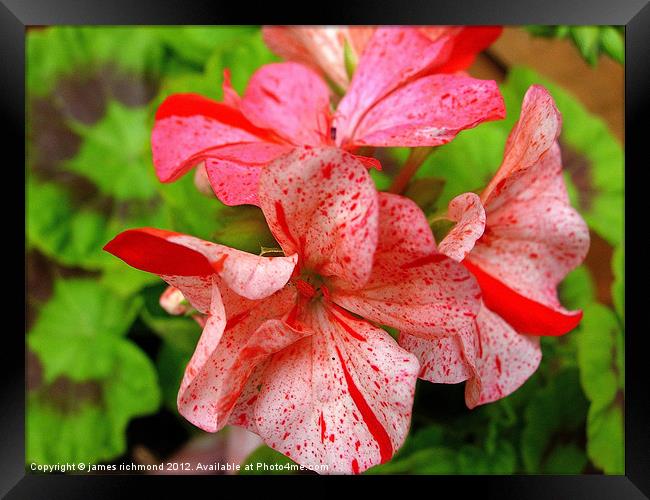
column 103, row 352
column 591, row 41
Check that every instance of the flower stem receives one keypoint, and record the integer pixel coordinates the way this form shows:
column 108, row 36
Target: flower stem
column 410, row 167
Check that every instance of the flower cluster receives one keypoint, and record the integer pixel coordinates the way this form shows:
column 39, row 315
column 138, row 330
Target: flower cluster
column 293, row 346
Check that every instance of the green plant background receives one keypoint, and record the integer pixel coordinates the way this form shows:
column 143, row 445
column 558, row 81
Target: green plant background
column 105, row 361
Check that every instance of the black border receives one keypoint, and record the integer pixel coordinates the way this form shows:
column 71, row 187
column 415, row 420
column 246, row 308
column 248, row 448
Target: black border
column 15, row 15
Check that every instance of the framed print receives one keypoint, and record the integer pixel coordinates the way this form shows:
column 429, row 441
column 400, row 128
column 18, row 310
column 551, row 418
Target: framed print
column 384, row 245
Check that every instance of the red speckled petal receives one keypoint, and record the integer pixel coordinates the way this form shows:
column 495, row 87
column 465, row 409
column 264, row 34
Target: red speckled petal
column 413, row 287
column 189, row 263
column 291, row 100
column 187, row 125
column 531, row 138
column 392, row 57
column 507, row 359
column 468, row 213
column 341, row 398
column 430, row 111
column 533, row 237
column 322, row 204
column 233, row 171
column 227, row 354
column 442, row 359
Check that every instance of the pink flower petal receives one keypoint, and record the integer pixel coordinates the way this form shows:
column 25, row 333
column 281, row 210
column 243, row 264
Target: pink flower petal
column 189, row 263
column 392, row 57
column 187, row 125
column 533, row 237
column 413, row 287
column 506, row 358
column 291, row 100
column 442, row 359
column 319, row 48
column 234, row 170
column 226, row 356
column 322, row 204
column 430, row 111
column 468, row 213
column 532, row 137
column 341, row 397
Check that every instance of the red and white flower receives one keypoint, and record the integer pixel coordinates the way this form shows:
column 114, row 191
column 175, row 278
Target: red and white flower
column 519, row 240
column 291, row 348
column 398, row 97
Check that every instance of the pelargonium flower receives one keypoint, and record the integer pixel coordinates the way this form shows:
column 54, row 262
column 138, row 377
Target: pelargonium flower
column 291, row 348
column 396, row 98
column 323, row 48
column 519, row 240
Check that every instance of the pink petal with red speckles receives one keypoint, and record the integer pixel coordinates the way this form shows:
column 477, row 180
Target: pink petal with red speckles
column 507, row 359
column 227, row 355
column 341, row 397
column 392, row 58
column 290, row 99
column 189, row 263
column 413, row 287
column 442, row 359
column 430, row 111
column 322, row 204
column 187, row 125
column 468, row 213
column 233, row 171
column 530, row 139
column 533, row 237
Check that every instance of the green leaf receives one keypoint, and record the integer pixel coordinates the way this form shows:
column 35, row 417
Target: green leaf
column 195, row 44
column 76, row 330
column 565, row 459
column 597, row 354
column 115, row 154
column 171, row 363
column 605, row 438
column 612, row 41
column 602, row 369
column 265, row 460
column 434, row 460
column 59, row 51
column 587, row 40
column 94, row 379
column 577, row 290
column 91, row 430
column 58, row 230
column 557, row 408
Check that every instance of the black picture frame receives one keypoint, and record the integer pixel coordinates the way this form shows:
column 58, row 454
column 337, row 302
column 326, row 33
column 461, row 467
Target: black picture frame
column 16, row 15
